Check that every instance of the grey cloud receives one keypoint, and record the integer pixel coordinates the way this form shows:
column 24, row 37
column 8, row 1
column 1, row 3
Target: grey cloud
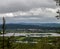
column 0, row 20
column 27, row 19
column 7, row 6
column 23, row 5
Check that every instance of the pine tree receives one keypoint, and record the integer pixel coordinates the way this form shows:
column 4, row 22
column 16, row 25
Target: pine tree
column 3, row 27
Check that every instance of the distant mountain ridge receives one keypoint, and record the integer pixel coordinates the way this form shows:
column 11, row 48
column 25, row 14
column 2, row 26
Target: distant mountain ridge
column 43, row 24
column 33, row 26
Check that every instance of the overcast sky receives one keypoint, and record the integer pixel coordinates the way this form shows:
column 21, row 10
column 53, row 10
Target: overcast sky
column 28, row 11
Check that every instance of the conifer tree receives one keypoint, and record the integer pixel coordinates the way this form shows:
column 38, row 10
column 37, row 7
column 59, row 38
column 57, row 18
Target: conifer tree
column 3, row 27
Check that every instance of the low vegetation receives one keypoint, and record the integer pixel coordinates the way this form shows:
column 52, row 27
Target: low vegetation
column 42, row 43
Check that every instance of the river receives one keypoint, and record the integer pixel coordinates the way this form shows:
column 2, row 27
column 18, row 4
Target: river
column 32, row 34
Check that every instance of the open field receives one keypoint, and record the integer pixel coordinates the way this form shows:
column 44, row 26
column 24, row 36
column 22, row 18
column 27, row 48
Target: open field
column 41, row 42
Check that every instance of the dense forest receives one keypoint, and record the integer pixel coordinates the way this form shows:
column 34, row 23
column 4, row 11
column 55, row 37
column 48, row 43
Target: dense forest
column 32, row 26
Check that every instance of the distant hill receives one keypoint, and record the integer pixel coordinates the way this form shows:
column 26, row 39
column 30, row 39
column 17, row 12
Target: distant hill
column 32, row 26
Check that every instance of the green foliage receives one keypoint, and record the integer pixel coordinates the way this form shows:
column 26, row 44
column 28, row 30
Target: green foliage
column 43, row 43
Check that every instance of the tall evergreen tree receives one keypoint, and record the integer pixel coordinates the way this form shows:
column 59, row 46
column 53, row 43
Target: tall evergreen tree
column 58, row 6
column 3, row 27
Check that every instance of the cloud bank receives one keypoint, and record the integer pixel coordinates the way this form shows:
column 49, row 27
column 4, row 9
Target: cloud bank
column 33, row 11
